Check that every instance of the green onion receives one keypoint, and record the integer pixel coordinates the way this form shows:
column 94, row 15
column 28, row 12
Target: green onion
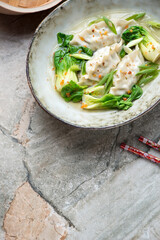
column 109, row 82
column 146, row 71
column 107, row 21
column 106, row 79
column 103, row 80
column 149, row 65
column 154, row 24
column 80, row 56
column 95, row 21
column 83, row 68
column 122, row 53
column 110, row 25
column 149, row 72
column 146, row 79
column 136, row 16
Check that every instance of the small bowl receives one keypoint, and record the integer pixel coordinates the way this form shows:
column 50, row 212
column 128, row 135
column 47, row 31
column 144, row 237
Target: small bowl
column 39, row 65
column 11, row 10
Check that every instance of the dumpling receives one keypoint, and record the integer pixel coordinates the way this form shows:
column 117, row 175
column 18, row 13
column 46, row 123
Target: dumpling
column 99, row 35
column 127, row 69
column 103, row 61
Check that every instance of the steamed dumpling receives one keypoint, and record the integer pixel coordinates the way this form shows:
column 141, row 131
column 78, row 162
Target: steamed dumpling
column 99, row 35
column 127, row 69
column 103, row 61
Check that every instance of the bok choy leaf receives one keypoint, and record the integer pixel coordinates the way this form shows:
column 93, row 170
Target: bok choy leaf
column 109, row 101
column 72, row 92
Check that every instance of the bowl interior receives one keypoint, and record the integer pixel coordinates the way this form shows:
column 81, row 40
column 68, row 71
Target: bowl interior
column 40, row 74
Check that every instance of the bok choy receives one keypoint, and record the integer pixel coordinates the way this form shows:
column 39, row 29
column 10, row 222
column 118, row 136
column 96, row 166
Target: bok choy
column 68, row 60
column 149, row 46
column 109, row 101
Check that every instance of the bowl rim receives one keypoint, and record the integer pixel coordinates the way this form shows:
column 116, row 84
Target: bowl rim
column 46, row 6
column 54, row 115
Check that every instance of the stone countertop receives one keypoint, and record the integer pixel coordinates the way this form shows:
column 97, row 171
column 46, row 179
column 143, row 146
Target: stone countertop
column 62, row 182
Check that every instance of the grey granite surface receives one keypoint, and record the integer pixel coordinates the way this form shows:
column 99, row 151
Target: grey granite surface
column 102, row 191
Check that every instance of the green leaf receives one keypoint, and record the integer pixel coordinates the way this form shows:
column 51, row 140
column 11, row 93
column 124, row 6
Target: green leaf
column 86, row 50
column 72, row 49
column 76, row 97
column 95, row 21
column 136, row 93
column 83, row 68
column 114, row 104
column 75, row 49
column 110, row 25
column 154, row 24
column 58, row 56
column 64, row 39
column 133, row 33
column 63, row 62
column 72, row 92
column 107, row 97
column 122, row 53
column 136, row 16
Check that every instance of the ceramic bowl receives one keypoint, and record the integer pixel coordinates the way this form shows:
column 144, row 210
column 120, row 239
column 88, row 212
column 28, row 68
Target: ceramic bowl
column 11, row 10
column 39, row 65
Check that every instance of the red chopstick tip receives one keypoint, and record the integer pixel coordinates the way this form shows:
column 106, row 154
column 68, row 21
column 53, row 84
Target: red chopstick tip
column 122, row 145
column 141, row 138
column 149, row 143
column 140, row 153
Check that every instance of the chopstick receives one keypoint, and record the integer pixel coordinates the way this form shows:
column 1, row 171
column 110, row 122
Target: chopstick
column 140, row 153
column 149, row 143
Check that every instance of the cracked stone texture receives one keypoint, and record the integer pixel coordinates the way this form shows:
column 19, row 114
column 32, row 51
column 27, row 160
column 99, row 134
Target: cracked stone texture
column 12, row 173
column 126, row 204
column 30, row 217
column 15, row 36
column 76, row 162
column 102, row 191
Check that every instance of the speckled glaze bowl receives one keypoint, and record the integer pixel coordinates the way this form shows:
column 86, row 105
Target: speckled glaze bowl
column 39, row 65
